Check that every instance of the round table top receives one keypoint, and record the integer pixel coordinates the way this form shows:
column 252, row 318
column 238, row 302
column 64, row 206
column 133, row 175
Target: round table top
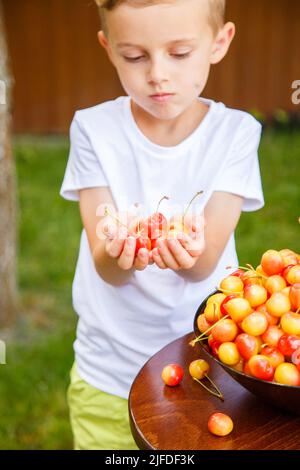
column 175, row 418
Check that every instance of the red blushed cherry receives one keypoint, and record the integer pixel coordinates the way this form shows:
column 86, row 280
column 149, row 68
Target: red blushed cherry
column 156, row 225
column 246, row 368
column 272, row 262
column 294, row 295
column 289, row 257
column 142, row 239
column 296, row 358
column 286, row 270
column 274, row 355
column 292, row 274
column 238, row 273
column 214, row 346
column 172, row 374
column 247, row 345
column 261, row 367
column 223, row 304
column 154, row 243
column 287, row 344
column 142, row 242
column 220, row 424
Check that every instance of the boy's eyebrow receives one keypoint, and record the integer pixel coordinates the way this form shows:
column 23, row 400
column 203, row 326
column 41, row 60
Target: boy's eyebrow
column 176, row 41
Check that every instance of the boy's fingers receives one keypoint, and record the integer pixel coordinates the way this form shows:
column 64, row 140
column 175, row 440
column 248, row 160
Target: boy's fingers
column 115, row 242
column 126, row 258
column 167, row 256
column 158, row 260
column 114, row 247
column 151, row 260
column 141, row 259
column 103, row 228
column 110, row 231
column 194, row 247
column 186, row 247
column 180, row 254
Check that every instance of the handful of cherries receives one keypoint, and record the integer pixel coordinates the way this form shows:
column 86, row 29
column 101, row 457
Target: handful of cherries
column 252, row 323
column 148, row 231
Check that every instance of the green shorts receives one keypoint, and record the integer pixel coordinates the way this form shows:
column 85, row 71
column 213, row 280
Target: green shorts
column 98, row 420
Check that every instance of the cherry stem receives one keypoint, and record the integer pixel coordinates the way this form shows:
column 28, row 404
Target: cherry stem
column 217, row 393
column 107, row 212
column 205, row 338
column 216, row 387
column 190, row 203
column 249, row 268
column 139, row 231
column 165, row 197
column 257, row 275
column 240, row 267
column 199, row 338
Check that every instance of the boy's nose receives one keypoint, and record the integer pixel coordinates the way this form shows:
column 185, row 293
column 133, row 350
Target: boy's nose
column 156, row 73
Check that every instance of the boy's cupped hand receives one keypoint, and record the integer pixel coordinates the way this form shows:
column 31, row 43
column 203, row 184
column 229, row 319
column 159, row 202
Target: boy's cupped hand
column 184, row 245
column 120, row 244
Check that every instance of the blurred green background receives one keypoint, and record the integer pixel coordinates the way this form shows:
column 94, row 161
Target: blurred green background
column 33, row 384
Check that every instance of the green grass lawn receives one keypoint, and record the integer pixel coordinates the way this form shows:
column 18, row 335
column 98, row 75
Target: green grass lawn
column 34, row 413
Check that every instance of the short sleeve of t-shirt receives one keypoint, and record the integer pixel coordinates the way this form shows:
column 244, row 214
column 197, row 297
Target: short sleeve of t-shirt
column 241, row 174
column 84, row 169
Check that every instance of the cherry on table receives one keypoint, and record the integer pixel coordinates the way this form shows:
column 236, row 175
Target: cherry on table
column 220, row 424
column 172, row 374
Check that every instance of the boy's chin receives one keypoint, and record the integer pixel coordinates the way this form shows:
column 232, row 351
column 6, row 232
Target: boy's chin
column 160, row 111
column 164, row 112
column 168, row 115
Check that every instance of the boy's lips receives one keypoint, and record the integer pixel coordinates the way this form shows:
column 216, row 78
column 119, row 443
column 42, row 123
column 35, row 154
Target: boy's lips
column 162, row 93
column 161, row 97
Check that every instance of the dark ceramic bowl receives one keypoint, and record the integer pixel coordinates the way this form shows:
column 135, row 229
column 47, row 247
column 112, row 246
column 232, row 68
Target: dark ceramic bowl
column 285, row 397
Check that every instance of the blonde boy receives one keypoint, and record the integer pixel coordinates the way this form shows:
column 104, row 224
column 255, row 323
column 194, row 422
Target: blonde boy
column 163, row 138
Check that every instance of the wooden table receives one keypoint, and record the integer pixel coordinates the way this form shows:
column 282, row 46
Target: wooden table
column 175, row 418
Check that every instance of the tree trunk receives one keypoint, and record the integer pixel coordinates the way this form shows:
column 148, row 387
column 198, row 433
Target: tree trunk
column 8, row 284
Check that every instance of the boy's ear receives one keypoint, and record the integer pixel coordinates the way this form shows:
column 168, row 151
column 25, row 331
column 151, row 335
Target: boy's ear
column 222, row 43
column 105, row 44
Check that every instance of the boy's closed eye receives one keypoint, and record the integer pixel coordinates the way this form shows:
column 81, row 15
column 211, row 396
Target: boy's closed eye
column 177, row 56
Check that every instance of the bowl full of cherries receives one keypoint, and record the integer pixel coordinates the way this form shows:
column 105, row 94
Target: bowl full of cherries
column 250, row 326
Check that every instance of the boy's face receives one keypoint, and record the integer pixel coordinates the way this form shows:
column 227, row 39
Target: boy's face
column 164, row 48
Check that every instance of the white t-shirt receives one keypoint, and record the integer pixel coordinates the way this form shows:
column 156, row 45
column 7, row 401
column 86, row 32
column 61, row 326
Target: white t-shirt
column 119, row 328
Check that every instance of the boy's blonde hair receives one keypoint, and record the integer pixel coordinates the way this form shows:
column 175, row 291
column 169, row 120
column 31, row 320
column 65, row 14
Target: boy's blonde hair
column 216, row 7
